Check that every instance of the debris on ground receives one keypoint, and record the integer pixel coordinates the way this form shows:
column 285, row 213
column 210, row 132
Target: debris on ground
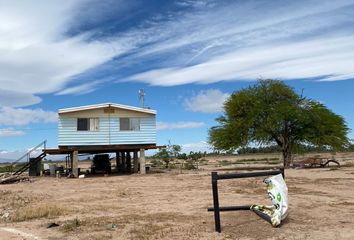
column 278, row 193
column 111, row 226
column 52, row 224
column 8, row 178
column 316, row 162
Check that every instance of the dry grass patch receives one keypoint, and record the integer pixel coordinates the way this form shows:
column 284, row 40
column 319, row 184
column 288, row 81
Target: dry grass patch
column 133, row 226
column 150, row 231
column 100, row 236
column 35, row 212
column 15, row 199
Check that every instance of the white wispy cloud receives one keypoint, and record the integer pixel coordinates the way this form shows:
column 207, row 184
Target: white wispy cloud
column 36, row 55
column 206, row 101
column 12, row 98
column 331, row 59
column 80, row 89
column 253, row 39
column 208, row 42
column 10, row 132
column 19, row 116
column 178, row 125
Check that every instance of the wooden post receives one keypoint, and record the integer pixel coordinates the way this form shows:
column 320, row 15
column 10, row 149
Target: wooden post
column 142, row 161
column 74, row 163
column 129, row 162
column 124, row 166
column 136, row 161
column 117, row 161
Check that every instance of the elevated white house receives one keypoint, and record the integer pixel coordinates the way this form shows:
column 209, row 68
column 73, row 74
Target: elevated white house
column 106, row 124
column 107, row 128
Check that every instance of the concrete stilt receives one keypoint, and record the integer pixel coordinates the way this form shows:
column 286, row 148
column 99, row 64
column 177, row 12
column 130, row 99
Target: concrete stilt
column 142, row 161
column 136, row 161
column 74, row 163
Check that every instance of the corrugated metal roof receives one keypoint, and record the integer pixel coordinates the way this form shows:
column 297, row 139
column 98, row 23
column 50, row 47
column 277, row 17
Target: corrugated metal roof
column 104, row 105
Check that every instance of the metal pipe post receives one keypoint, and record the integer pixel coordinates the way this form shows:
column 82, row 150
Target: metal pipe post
column 214, row 184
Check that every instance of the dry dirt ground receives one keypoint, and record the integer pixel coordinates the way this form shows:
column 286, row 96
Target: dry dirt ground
column 173, row 206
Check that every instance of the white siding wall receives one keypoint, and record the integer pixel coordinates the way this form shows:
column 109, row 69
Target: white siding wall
column 108, row 133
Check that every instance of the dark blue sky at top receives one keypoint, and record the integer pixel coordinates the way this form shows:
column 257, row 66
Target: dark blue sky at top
column 120, row 17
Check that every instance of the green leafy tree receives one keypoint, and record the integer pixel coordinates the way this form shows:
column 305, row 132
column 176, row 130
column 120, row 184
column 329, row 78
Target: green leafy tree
column 270, row 112
column 168, row 154
column 175, row 150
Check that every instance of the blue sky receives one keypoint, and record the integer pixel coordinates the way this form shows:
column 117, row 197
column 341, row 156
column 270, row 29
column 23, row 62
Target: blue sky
column 187, row 55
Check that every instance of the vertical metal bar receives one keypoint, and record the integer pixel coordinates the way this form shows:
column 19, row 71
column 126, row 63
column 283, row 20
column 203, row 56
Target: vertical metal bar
column 214, row 184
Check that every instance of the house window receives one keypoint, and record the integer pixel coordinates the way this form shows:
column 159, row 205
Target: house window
column 129, row 124
column 87, row 124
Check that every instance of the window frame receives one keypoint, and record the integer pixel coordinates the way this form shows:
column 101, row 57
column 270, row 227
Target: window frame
column 92, row 125
column 130, row 126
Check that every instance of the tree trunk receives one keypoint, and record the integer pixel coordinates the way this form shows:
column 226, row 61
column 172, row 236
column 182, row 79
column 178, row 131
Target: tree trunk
column 286, row 157
column 284, row 143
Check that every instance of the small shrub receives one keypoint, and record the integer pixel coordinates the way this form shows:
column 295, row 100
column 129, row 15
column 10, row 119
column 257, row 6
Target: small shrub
column 71, row 225
column 203, row 161
column 156, row 163
column 189, row 165
column 11, row 168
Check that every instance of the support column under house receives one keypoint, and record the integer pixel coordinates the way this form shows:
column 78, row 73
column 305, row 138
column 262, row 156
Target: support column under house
column 74, row 163
column 142, row 161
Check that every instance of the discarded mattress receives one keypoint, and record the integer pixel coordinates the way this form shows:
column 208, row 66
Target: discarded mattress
column 278, row 193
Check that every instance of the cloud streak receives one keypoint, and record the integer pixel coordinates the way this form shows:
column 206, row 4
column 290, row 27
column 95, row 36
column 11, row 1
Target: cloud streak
column 80, row 89
column 9, row 132
column 36, row 54
column 331, row 59
column 196, row 147
column 205, row 42
column 254, row 39
column 179, row 125
column 12, row 98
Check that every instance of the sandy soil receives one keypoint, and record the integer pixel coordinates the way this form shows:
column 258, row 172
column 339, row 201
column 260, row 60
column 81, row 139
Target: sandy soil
column 173, row 206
